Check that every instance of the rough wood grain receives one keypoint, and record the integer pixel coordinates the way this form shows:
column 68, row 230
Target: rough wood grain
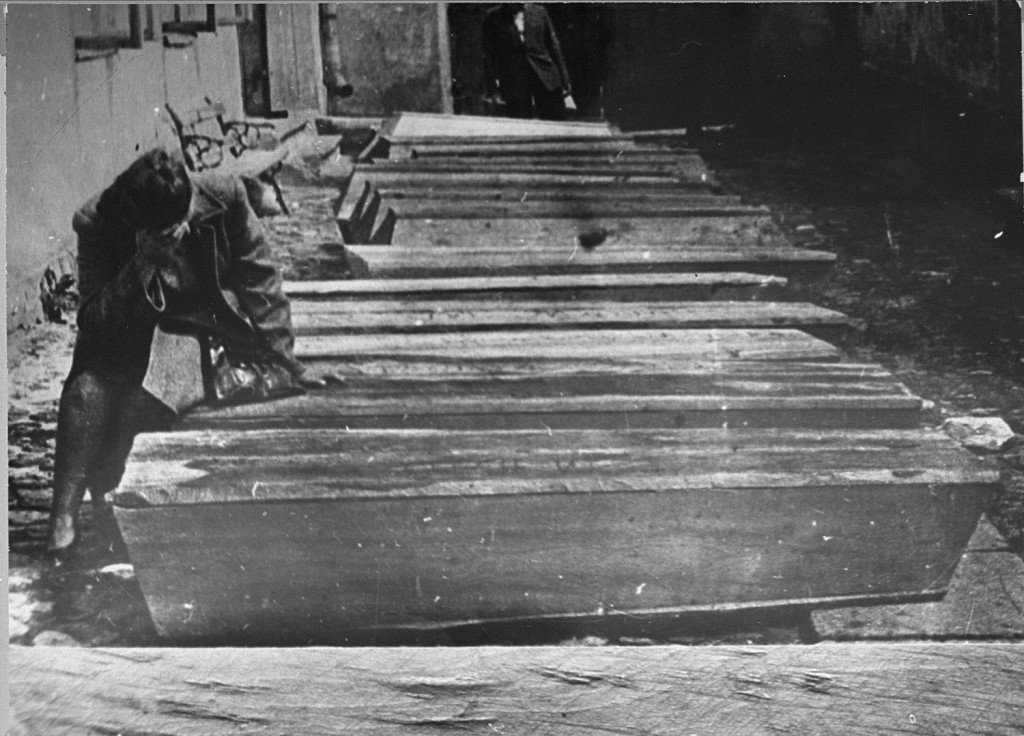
column 439, row 315
column 408, row 124
column 557, row 233
column 592, row 147
column 685, row 167
column 691, row 345
column 828, row 689
column 613, row 286
column 398, row 528
column 611, row 139
column 427, row 260
column 615, row 139
column 375, row 464
column 685, row 205
column 353, row 201
column 985, row 600
column 446, row 366
column 729, row 394
column 489, row 156
column 544, row 154
column 591, row 193
column 534, row 180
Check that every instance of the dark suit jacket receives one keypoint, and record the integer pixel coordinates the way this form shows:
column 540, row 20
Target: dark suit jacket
column 503, row 50
column 237, row 293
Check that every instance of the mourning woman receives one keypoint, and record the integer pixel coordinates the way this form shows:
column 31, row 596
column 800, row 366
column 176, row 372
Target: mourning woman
column 180, row 256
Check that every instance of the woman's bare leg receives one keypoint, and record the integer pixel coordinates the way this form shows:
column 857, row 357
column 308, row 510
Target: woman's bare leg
column 88, row 406
column 136, row 411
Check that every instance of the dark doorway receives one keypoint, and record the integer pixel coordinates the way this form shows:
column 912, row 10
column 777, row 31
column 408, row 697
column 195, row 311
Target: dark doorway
column 252, row 52
column 582, row 33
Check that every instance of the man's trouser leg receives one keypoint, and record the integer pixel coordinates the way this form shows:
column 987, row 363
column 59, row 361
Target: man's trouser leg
column 550, row 103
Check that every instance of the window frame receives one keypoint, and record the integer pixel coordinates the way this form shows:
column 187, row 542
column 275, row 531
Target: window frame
column 102, row 45
column 241, row 14
column 192, row 27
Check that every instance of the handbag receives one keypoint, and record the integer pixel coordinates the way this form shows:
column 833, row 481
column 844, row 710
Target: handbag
column 242, row 379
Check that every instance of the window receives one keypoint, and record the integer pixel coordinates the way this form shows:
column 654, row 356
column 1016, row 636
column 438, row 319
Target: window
column 101, row 30
column 192, row 20
column 150, row 22
column 233, row 14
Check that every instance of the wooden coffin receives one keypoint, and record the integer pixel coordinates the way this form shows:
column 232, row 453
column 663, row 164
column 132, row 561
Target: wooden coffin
column 685, row 167
column 557, row 345
column 357, row 216
column 597, row 232
column 301, row 535
column 595, row 147
column 463, row 315
column 595, row 395
column 418, row 124
column 684, row 205
column 610, row 192
column 441, row 257
column 610, row 287
column 488, row 155
column 384, row 177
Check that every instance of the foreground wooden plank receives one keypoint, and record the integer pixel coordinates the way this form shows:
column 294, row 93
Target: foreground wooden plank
column 596, row 231
column 439, row 315
column 424, row 260
column 614, row 286
column 733, row 394
column 693, row 345
column 828, row 689
column 415, row 528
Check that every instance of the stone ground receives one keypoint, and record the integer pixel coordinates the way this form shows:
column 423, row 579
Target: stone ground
column 941, row 301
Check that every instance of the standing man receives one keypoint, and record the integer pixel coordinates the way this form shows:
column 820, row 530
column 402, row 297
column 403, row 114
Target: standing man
column 523, row 61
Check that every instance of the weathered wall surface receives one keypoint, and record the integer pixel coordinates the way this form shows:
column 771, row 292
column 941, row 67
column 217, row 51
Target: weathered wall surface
column 692, row 62
column 294, row 57
column 396, row 57
column 955, row 46
column 72, row 126
column 671, row 64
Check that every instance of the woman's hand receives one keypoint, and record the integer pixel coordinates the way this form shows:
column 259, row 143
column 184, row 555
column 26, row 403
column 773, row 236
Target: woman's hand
column 323, row 381
column 167, row 252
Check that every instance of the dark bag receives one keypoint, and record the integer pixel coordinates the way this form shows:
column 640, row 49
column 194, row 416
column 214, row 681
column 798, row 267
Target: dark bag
column 239, row 379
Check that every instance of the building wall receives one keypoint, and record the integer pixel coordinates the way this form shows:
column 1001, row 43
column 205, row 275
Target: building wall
column 955, row 46
column 396, row 57
column 72, row 126
column 684, row 63
column 675, row 64
column 294, row 57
